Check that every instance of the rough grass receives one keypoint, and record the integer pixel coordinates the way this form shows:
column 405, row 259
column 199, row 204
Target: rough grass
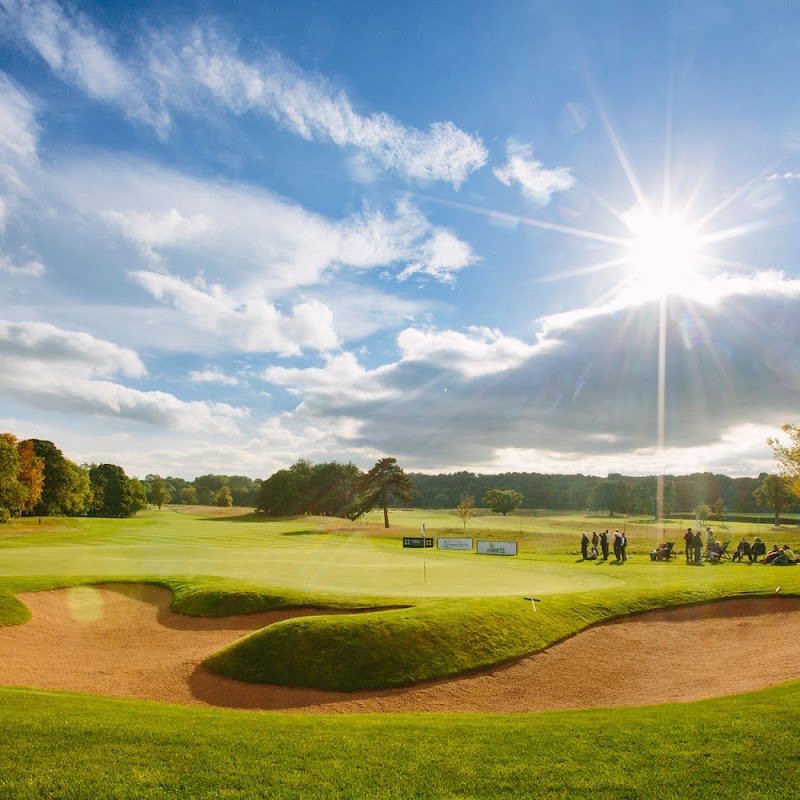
column 76, row 746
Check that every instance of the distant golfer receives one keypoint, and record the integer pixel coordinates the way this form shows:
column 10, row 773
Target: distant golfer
column 584, row 546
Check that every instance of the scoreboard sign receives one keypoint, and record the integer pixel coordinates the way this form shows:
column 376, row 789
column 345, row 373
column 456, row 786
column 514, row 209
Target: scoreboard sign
column 417, row 541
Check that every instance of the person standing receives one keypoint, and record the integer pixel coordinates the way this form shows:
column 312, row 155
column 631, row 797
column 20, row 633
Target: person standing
column 617, row 544
column 623, row 547
column 595, row 542
column 698, row 546
column 584, row 545
column 688, row 539
column 604, row 544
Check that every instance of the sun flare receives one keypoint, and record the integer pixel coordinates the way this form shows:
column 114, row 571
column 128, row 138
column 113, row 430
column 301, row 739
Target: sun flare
column 664, row 252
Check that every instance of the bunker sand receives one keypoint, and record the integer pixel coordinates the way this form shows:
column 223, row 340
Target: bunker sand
column 123, row 641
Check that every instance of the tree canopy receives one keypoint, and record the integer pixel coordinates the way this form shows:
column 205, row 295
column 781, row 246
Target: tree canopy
column 502, row 501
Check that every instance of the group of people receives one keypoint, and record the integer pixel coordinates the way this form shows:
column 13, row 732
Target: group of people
column 693, row 546
column 694, row 541
column 776, row 556
column 601, row 543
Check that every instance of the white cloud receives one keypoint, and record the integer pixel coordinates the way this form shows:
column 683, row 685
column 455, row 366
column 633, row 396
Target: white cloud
column 442, row 256
column 27, row 269
column 40, row 342
column 213, row 376
column 69, row 371
column 536, row 181
column 249, row 325
column 341, row 378
column 479, row 351
column 152, row 230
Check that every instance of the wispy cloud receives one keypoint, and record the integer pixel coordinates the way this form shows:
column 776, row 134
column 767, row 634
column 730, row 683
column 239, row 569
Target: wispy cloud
column 19, row 131
column 168, row 71
column 537, row 182
column 203, row 63
column 81, row 54
column 784, row 177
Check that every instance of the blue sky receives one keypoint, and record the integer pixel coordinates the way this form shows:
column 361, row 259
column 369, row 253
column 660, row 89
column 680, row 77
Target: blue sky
column 533, row 236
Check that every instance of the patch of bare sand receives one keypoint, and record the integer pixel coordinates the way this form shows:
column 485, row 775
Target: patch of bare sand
column 123, row 641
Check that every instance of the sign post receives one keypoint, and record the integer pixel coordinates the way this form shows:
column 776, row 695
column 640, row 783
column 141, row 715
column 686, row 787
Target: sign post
column 424, row 562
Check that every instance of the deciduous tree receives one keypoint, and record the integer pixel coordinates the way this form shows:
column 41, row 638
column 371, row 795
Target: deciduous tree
column 466, row 509
column 775, row 492
column 502, row 501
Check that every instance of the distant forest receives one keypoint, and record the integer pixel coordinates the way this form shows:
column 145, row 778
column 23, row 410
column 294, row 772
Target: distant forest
column 683, row 494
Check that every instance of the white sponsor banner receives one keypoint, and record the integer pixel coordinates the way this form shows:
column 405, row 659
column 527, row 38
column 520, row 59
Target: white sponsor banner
column 454, row 543
column 497, row 548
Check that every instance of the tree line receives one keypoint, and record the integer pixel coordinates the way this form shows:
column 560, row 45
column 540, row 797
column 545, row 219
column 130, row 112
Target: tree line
column 615, row 494
column 36, row 479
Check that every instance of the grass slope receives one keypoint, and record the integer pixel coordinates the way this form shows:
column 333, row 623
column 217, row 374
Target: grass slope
column 73, row 747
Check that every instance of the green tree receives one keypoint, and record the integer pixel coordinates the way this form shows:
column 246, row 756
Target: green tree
column 718, row 510
column 12, row 492
column 159, row 494
column 333, row 490
column 188, row 495
column 787, row 454
column 78, row 496
column 466, row 509
column 224, row 499
column 501, row 501
column 138, row 495
column 612, row 495
column 283, row 494
column 112, row 491
column 385, row 482
column 775, row 492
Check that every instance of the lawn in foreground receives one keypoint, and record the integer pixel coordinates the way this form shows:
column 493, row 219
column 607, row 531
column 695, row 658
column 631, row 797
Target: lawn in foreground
column 76, row 746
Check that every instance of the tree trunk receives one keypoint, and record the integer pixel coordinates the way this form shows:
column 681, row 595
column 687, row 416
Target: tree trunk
column 385, row 517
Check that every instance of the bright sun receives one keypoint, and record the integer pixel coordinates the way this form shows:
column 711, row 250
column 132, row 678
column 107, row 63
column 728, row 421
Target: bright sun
column 664, row 252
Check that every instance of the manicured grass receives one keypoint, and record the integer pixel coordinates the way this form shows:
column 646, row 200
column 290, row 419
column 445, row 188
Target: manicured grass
column 434, row 637
column 75, row 746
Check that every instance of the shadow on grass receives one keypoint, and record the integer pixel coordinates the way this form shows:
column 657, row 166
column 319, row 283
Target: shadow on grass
column 250, row 516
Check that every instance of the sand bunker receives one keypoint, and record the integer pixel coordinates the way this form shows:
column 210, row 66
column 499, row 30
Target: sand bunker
column 123, row 641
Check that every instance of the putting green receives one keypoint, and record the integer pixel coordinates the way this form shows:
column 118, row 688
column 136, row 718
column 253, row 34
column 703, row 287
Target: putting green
column 309, row 562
